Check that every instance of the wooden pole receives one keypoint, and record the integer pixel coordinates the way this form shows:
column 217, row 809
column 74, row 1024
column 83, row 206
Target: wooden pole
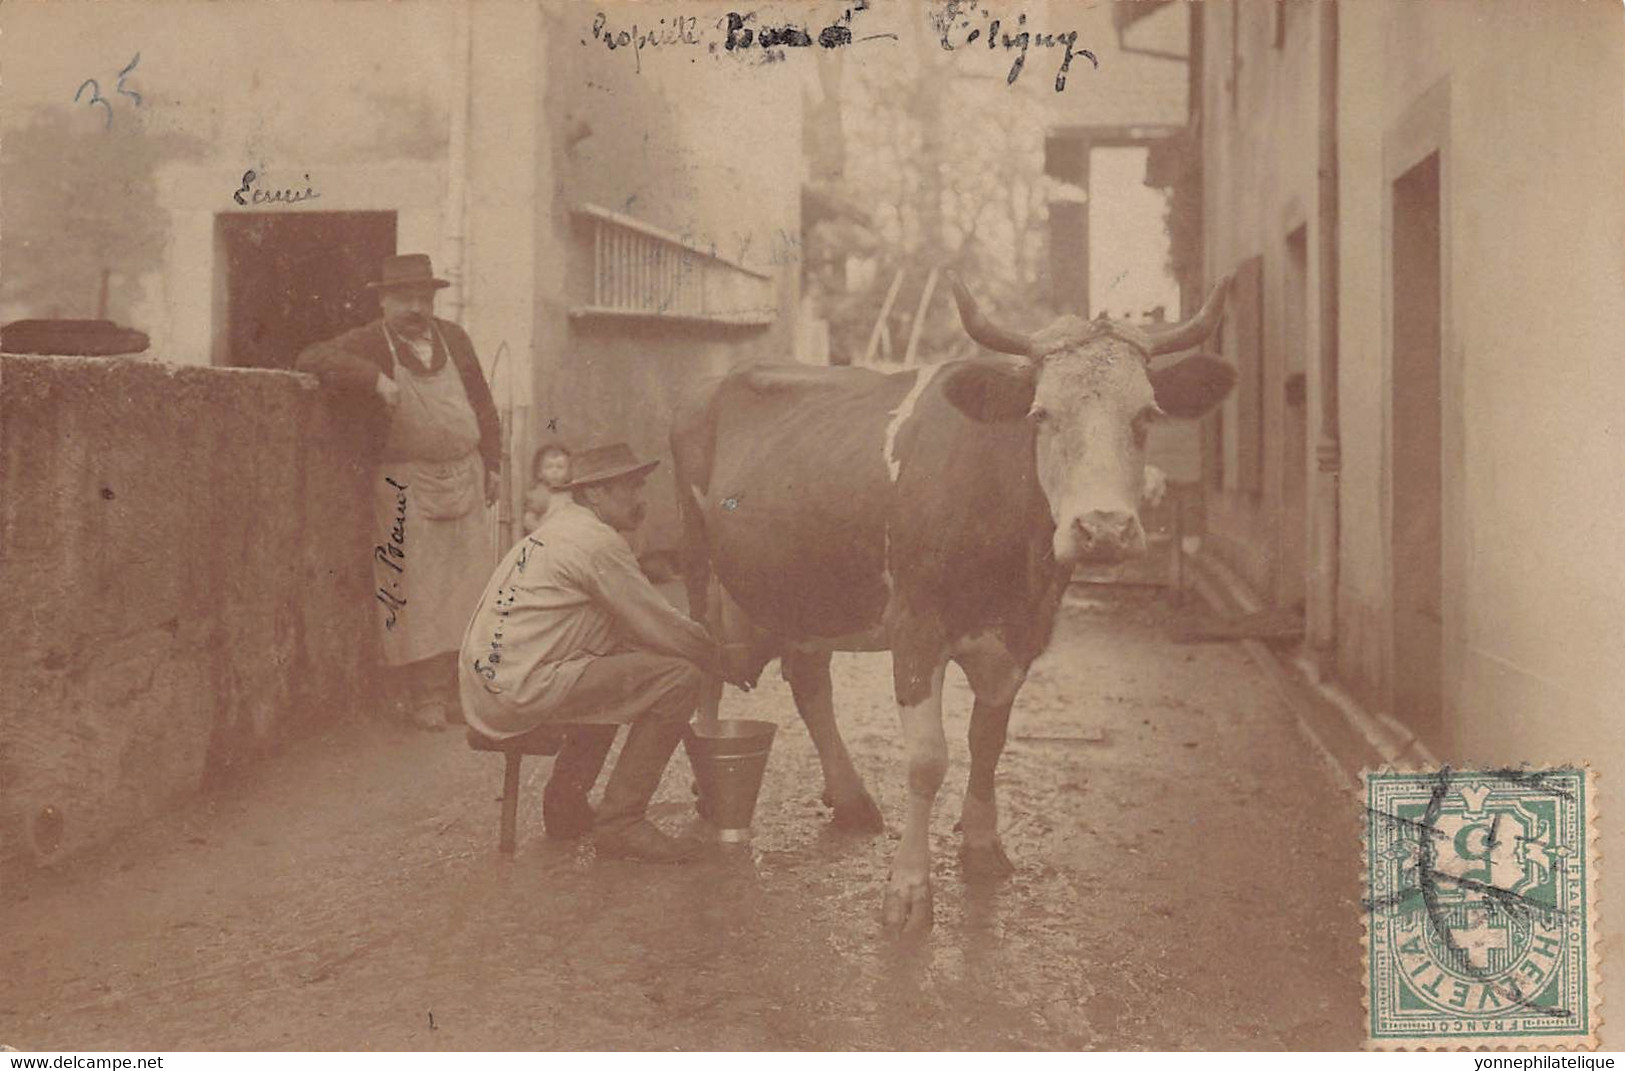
column 910, row 355
column 880, row 321
column 501, row 518
column 508, row 833
column 1179, row 546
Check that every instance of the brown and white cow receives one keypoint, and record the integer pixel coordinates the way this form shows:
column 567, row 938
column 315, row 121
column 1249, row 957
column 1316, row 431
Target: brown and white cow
column 936, row 513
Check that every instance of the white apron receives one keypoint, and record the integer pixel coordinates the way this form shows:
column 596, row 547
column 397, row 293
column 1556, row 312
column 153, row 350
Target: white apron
column 432, row 552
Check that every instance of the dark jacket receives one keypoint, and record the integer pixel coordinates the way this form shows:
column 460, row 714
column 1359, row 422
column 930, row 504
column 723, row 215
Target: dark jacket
column 349, row 365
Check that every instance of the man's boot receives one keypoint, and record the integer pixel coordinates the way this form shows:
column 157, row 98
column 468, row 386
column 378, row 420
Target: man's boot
column 623, row 831
column 566, row 814
column 444, row 676
column 425, row 701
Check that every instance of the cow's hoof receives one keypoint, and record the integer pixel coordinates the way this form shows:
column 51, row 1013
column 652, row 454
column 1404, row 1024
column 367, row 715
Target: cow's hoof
column 908, row 910
column 860, row 814
column 985, row 862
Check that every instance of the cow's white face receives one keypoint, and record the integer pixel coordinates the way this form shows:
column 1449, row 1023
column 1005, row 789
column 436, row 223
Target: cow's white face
column 1092, row 394
column 1093, row 406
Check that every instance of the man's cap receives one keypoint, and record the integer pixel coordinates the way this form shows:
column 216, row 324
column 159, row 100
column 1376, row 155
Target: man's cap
column 604, row 463
column 407, row 270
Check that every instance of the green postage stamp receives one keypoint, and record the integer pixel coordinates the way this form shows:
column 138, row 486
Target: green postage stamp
column 1480, row 909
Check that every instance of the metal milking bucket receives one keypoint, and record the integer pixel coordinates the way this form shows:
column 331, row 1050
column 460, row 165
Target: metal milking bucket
column 729, row 757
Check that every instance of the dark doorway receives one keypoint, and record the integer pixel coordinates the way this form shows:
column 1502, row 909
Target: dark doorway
column 293, row 278
column 1069, row 257
column 1416, row 521
column 1066, row 158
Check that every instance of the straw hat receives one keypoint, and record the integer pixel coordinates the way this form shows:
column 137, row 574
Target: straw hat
column 604, row 463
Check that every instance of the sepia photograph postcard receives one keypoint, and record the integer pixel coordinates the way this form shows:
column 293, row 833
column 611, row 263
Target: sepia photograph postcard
column 858, row 525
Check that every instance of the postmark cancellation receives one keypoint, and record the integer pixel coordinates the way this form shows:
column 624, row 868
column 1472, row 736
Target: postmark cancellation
column 1480, row 905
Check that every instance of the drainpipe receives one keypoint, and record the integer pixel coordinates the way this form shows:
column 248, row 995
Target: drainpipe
column 455, row 303
column 1328, row 463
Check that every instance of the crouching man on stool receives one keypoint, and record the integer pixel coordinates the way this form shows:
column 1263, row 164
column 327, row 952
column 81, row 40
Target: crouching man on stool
column 570, row 633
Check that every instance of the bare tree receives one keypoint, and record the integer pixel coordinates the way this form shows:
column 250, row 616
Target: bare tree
column 948, row 182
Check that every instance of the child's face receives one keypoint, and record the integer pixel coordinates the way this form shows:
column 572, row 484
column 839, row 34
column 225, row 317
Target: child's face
column 555, row 470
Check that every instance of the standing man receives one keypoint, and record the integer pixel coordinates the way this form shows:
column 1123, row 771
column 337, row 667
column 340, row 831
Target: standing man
column 414, row 383
column 571, row 633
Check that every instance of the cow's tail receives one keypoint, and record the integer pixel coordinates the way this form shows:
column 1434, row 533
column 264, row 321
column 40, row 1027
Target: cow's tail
column 693, row 448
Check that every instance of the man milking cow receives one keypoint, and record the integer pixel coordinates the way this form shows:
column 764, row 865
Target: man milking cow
column 570, row 634
column 936, row 513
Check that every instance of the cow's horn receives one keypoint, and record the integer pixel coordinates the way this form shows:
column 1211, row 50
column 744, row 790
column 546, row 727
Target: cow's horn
column 983, row 330
column 1197, row 328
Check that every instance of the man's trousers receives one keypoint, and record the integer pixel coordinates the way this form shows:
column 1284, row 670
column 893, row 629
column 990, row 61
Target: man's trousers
column 656, row 695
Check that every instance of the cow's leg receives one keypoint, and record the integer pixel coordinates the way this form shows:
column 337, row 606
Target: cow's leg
column 981, row 854
column 994, row 677
column 919, row 695
column 808, row 674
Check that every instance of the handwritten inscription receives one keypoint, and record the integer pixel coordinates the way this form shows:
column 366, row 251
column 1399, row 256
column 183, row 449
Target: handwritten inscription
column 120, row 89
column 502, row 601
column 741, row 35
column 248, row 193
column 392, row 555
column 678, row 31
column 524, row 553
column 786, row 248
column 969, row 24
column 734, row 33
column 958, row 24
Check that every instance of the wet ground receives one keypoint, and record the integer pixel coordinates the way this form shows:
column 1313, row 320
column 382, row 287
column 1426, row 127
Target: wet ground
column 1187, row 879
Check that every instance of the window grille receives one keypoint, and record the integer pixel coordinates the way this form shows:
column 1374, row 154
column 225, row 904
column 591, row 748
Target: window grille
column 640, row 271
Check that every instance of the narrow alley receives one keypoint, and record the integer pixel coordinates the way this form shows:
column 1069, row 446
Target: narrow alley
column 1187, row 878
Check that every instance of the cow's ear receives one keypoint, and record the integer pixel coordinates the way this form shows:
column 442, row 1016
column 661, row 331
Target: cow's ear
column 1193, row 386
column 990, row 391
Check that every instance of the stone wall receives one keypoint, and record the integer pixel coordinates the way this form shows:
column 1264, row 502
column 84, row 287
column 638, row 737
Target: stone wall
column 182, row 561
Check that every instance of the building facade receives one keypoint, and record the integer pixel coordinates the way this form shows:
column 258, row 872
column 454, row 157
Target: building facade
column 1421, row 207
column 1469, row 267
column 610, row 234
column 226, row 179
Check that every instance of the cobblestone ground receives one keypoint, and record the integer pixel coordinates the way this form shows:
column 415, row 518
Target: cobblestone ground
column 1187, row 879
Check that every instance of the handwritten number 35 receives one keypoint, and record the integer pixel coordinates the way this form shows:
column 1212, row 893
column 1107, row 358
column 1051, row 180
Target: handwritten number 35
column 96, row 90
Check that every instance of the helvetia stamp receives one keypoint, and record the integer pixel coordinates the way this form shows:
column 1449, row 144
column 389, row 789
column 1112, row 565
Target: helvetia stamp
column 1480, row 908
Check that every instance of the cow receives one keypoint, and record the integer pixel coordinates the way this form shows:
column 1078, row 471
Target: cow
column 936, row 513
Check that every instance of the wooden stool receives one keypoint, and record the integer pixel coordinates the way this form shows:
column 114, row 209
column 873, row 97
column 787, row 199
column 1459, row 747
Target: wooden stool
column 544, row 740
